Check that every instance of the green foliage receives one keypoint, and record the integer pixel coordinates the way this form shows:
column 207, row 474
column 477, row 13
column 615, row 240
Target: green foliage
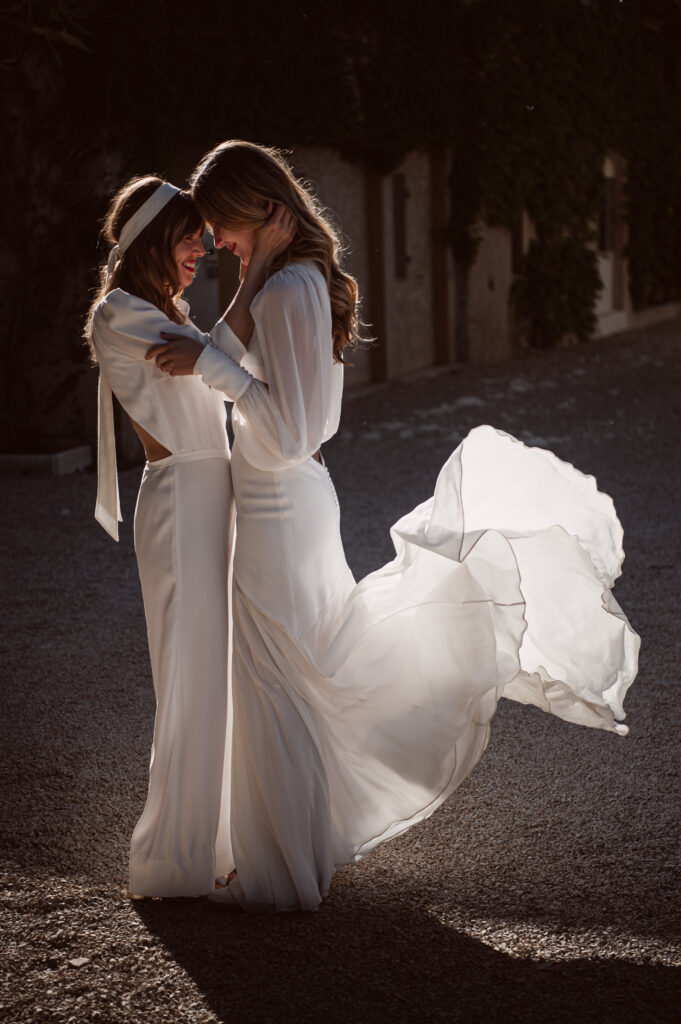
column 55, row 184
column 554, row 299
column 547, row 89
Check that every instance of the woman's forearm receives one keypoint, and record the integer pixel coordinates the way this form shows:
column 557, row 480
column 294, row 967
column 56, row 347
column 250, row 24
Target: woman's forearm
column 238, row 314
column 270, row 240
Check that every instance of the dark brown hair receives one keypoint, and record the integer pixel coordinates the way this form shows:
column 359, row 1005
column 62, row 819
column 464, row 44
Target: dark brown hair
column 233, row 186
column 147, row 268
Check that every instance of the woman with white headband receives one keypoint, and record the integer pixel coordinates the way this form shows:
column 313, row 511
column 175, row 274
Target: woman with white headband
column 183, row 519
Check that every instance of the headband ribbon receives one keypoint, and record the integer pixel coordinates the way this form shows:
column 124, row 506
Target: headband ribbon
column 139, row 220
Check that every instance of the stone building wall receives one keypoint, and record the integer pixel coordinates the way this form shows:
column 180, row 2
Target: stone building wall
column 408, row 299
column 489, row 321
column 393, row 228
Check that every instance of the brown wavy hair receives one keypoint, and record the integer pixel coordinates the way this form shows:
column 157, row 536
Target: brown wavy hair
column 233, row 186
column 147, row 268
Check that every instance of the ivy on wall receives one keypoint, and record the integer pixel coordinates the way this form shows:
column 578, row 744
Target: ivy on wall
column 528, row 98
column 550, row 87
column 554, row 297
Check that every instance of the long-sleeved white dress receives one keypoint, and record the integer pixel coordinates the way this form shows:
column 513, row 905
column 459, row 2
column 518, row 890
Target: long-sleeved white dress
column 182, row 541
column 358, row 708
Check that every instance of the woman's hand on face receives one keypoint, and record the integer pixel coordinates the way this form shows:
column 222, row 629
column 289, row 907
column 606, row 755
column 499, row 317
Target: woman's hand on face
column 274, row 236
column 177, row 356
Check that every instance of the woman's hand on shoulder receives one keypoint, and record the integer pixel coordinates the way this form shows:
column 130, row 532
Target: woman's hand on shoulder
column 177, row 355
column 274, row 236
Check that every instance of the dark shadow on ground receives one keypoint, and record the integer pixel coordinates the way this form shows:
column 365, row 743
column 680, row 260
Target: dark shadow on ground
column 359, row 961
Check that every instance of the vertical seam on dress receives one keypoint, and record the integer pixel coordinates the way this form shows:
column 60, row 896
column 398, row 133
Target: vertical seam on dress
column 331, row 485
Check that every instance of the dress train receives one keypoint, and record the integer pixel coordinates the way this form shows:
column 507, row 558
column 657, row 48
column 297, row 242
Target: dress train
column 358, row 708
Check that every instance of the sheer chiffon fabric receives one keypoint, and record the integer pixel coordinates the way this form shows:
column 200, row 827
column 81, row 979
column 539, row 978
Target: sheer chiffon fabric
column 358, row 708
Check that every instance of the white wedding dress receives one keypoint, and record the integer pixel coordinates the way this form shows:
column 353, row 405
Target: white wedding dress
column 358, row 708
column 183, row 546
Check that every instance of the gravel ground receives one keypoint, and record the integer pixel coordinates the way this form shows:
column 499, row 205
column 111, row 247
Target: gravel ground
column 546, row 889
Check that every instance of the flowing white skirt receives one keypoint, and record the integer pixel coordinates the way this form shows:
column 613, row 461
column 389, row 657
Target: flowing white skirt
column 358, row 708
column 182, row 534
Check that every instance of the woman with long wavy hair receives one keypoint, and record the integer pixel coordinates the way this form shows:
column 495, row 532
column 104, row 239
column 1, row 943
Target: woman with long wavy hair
column 182, row 520
column 358, row 708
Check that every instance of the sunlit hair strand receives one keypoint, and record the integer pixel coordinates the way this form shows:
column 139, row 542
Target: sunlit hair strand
column 233, row 187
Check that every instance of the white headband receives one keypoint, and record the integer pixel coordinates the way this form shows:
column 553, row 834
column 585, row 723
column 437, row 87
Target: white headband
column 137, row 223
